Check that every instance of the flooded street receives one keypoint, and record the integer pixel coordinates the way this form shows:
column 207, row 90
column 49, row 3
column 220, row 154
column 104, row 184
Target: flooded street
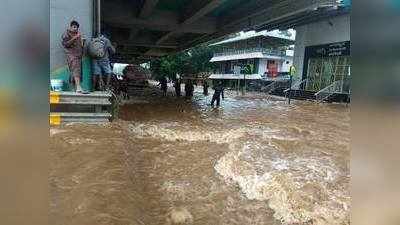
column 255, row 160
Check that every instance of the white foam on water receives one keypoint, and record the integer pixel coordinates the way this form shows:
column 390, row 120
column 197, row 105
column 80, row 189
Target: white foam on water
column 164, row 131
column 55, row 131
column 297, row 190
column 77, row 141
column 280, row 164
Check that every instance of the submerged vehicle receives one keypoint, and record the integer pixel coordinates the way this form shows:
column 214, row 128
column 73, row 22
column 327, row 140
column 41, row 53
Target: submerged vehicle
column 136, row 75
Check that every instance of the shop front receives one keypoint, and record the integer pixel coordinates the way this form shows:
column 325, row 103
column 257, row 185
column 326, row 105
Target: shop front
column 327, row 64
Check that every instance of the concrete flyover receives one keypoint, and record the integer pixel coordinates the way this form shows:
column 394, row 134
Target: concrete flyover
column 151, row 28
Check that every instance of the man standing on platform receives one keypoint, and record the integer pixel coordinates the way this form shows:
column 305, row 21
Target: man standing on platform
column 100, row 50
column 73, row 47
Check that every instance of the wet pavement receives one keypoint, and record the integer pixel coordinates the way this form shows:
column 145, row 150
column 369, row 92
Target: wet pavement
column 255, row 160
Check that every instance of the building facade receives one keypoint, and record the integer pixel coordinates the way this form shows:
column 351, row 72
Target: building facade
column 322, row 54
column 268, row 54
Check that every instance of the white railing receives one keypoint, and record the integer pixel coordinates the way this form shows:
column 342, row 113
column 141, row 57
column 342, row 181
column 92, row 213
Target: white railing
column 273, row 86
column 296, row 85
column 325, row 93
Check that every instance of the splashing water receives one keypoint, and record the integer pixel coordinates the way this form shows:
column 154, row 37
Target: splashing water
column 298, row 189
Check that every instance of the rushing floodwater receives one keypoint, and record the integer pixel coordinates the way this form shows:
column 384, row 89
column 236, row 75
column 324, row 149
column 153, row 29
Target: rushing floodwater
column 255, row 160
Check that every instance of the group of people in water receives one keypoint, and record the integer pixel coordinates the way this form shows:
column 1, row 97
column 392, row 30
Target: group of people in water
column 189, row 89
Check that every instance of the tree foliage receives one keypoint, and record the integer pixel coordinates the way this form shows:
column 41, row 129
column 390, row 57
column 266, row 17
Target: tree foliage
column 191, row 61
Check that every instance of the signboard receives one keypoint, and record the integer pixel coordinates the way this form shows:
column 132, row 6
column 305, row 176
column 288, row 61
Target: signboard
column 328, row 50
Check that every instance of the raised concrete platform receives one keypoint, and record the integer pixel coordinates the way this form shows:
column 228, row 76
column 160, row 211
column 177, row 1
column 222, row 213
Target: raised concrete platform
column 70, row 107
column 93, row 98
column 90, row 118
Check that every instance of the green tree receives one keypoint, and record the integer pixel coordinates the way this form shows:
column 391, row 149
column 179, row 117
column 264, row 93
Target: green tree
column 191, row 61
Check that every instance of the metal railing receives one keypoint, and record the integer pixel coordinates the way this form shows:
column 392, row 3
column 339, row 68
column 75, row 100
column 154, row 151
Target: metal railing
column 274, row 86
column 334, row 88
column 251, row 50
column 297, row 85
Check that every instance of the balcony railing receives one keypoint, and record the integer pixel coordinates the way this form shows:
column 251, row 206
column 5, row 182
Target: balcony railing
column 251, row 50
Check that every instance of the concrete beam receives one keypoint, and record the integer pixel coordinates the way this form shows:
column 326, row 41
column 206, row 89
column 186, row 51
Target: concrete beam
column 151, row 52
column 246, row 11
column 146, row 44
column 210, row 6
column 160, row 21
column 132, row 33
column 260, row 14
column 156, row 52
column 307, row 15
column 157, row 18
column 144, row 40
column 124, row 53
column 147, row 8
column 207, row 26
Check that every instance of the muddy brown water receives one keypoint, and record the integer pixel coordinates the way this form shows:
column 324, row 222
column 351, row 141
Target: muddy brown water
column 255, row 160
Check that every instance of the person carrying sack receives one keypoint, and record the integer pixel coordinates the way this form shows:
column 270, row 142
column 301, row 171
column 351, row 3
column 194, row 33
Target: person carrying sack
column 100, row 49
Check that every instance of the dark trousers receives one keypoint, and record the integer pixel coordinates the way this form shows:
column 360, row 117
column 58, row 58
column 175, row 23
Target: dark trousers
column 178, row 89
column 164, row 89
column 216, row 97
column 205, row 89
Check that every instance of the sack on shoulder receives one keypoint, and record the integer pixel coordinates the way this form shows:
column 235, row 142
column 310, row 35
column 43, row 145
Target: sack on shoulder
column 97, row 48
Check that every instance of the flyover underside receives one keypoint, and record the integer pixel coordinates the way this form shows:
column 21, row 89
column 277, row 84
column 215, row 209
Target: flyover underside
column 151, row 28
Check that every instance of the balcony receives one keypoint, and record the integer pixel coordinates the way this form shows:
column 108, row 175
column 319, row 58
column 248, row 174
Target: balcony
column 264, row 51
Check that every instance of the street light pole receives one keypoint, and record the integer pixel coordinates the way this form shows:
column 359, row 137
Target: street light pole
column 290, row 88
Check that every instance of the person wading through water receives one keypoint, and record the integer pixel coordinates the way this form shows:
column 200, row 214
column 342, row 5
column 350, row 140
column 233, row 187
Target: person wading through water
column 177, row 86
column 205, row 87
column 189, row 88
column 218, row 91
column 73, row 46
column 164, row 85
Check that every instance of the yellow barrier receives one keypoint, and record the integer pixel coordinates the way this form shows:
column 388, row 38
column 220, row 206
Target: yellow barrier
column 55, row 119
column 54, row 97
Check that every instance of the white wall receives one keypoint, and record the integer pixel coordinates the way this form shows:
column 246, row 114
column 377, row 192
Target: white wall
column 317, row 34
column 286, row 67
column 62, row 12
column 262, row 66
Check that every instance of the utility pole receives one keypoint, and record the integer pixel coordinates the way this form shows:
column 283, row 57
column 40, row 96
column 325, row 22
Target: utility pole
column 290, row 88
column 244, row 80
column 96, row 18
